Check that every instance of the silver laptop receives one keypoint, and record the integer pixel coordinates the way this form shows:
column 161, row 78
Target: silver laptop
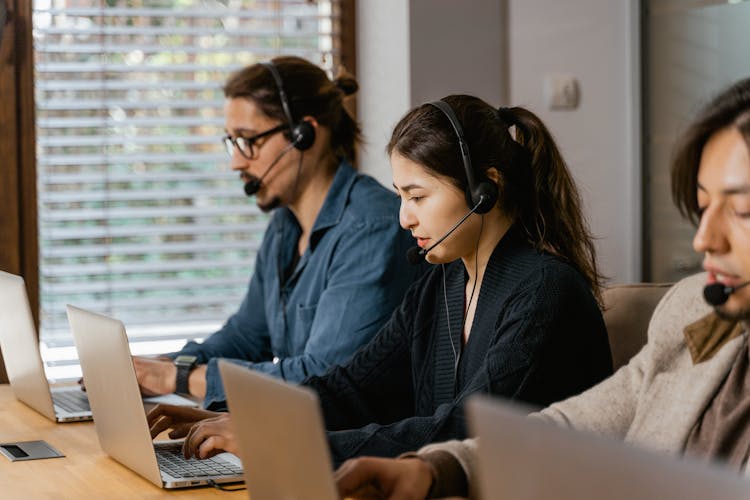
column 119, row 415
column 20, row 347
column 523, row 458
column 282, row 443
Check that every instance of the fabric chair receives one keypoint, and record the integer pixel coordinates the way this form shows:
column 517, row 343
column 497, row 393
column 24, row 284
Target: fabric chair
column 627, row 313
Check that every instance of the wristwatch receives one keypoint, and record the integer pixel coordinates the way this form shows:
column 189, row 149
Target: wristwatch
column 185, row 364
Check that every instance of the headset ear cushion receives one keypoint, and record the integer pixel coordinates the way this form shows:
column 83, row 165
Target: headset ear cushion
column 303, row 135
column 485, row 191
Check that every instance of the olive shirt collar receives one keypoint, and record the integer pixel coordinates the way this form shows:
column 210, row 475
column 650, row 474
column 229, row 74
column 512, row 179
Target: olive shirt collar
column 705, row 337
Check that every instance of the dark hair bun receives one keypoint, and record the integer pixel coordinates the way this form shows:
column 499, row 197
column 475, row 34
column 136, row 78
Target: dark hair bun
column 346, row 82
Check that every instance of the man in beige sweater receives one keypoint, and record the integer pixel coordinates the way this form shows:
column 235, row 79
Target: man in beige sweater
column 688, row 390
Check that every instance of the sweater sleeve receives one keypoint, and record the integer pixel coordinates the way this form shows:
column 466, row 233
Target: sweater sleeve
column 379, row 371
column 523, row 363
column 455, row 467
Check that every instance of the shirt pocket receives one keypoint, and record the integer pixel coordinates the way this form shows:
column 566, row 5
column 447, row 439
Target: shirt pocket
column 303, row 323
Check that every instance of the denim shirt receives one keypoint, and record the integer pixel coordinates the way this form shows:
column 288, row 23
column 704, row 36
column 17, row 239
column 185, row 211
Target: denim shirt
column 294, row 323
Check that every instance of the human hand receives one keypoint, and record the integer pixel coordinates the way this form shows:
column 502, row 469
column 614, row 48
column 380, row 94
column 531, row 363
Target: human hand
column 156, row 376
column 369, row 478
column 178, row 418
column 210, row 437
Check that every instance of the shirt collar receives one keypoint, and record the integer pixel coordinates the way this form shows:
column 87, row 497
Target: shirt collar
column 335, row 203
column 705, row 337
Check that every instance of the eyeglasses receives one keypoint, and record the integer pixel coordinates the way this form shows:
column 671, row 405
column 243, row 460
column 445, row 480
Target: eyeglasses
column 246, row 145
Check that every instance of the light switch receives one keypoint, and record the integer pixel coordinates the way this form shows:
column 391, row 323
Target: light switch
column 561, row 91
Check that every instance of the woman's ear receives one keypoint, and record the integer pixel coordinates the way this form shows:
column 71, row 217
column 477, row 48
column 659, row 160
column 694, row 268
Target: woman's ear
column 494, row 175
column 312, row 121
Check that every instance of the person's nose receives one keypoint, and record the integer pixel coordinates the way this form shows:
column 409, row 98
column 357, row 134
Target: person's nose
column 710, row 236
column 406, row 216
column 238, row 162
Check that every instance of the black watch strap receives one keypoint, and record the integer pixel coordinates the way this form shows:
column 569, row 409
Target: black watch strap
column 185, row 365
column 183, row 373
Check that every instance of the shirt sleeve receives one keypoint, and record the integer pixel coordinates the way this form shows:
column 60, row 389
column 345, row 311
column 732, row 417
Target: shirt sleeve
column 365, row 283
column 244, row 335
column 244, row 338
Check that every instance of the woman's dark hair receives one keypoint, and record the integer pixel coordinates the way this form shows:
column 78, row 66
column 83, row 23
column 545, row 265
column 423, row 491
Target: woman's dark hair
column 310, row 93
column 535, row 185
column 730, row 108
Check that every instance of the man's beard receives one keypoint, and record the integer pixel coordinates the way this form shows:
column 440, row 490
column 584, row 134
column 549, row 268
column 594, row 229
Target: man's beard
column 741, row 315
column 275, row 202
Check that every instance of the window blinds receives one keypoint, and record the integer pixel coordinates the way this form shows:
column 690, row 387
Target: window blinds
column 140, row 216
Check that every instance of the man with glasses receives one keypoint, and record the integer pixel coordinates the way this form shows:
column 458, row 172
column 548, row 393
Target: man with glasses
column 331, row 267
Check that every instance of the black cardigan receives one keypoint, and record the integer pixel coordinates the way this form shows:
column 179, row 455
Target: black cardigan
column 538, row 337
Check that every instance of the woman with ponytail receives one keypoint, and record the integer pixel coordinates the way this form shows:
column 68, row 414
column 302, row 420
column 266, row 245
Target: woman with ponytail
column 330, row 269
column 508, row 308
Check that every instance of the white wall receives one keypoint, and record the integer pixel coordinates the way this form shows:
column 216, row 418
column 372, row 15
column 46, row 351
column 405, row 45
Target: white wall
column 598, row 42
column 383, row 74
column 414, row 51
column 418, row 50
column 457, row 46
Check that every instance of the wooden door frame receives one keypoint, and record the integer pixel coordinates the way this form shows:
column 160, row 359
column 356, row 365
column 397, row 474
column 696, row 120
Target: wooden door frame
column 19, row 252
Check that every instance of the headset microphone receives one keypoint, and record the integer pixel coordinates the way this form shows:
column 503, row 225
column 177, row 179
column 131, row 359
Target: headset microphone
column 253, row 186
column 717, row 293
column 415, row 255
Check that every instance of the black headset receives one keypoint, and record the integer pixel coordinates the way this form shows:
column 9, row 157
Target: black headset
column 480, row 191
column 301, row 134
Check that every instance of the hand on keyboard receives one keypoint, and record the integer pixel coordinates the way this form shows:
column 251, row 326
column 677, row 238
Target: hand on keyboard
column 210, row 437
column 178, row 418
column 207, row 433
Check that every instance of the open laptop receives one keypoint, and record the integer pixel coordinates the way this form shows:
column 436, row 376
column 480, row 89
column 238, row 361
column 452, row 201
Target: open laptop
column 23, row 362
column 524, row 458
column 281, row 438
column 18, row 340
column 119, row 415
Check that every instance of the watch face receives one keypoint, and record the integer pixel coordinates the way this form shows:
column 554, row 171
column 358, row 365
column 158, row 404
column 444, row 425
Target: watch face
column 185, row 360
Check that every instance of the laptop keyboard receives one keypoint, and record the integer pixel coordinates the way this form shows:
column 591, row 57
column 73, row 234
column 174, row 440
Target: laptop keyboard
column 176, row 465
column 72, row 401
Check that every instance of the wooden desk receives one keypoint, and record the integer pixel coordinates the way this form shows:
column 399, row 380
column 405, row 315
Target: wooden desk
column 84, row 472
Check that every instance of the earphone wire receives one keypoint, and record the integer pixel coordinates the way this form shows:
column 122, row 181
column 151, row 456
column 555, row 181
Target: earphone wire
column 457, row 356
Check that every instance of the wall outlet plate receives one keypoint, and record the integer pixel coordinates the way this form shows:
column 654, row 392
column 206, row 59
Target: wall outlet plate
column 28, row 450
column 561, row 91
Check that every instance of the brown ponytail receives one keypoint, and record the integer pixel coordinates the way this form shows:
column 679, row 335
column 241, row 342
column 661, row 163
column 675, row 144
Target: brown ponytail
column 554, row 220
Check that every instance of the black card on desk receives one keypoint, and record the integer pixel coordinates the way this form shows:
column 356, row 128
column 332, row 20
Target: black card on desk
column 28, row 450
